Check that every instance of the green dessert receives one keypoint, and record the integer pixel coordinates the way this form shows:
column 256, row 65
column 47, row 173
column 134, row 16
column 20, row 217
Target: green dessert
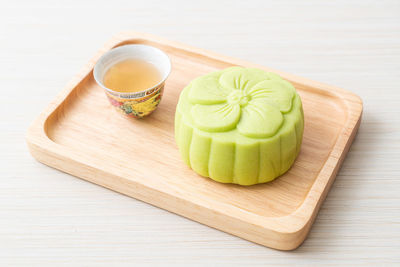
column 239, row 125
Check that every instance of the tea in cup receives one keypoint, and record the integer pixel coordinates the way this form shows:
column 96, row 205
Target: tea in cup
column 133, row 77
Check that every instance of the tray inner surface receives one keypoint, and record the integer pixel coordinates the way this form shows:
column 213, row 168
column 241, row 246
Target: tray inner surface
column 87, row 122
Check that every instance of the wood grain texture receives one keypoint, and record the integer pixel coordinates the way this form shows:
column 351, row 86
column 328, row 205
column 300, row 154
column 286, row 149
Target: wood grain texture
column 80, row 133
column 48, row 218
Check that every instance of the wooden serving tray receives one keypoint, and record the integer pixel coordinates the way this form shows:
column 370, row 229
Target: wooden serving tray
column 80, row 133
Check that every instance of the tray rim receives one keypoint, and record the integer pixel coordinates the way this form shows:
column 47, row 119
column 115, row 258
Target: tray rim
column 287, row 232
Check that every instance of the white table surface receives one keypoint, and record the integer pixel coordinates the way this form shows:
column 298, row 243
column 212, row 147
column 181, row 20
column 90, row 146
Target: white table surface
column 48, row 218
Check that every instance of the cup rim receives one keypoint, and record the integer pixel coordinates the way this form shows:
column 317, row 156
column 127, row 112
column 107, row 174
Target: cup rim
column 130, row 95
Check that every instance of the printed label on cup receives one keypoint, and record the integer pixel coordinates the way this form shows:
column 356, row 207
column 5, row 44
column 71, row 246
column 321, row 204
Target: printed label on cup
column 139, row 106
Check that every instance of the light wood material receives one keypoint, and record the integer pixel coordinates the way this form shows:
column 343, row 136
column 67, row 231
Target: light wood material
column 81, row 134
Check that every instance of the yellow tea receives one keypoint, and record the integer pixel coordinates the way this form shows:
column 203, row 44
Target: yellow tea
column 131, row 75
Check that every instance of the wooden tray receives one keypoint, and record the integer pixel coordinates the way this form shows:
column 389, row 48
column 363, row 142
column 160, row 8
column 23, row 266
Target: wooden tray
column 81, row 134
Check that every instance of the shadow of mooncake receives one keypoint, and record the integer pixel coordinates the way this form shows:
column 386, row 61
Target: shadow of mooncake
column 239, row 125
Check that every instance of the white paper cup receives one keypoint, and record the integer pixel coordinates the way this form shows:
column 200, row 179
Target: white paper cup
column 135, row 104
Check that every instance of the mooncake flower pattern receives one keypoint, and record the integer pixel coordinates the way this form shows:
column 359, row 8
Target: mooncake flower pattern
column 251, row 100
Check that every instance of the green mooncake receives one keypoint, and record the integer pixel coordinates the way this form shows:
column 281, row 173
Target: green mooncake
column 239, row 125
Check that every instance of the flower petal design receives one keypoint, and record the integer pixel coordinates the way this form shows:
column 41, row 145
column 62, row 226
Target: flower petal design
column 206, row 90
column 259, row 119
column 216, row 118
column 248, row 99
column 242, row 78
column 276, row 92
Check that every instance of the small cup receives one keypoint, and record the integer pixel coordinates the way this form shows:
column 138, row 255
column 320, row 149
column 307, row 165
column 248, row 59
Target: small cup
column 135, row 104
